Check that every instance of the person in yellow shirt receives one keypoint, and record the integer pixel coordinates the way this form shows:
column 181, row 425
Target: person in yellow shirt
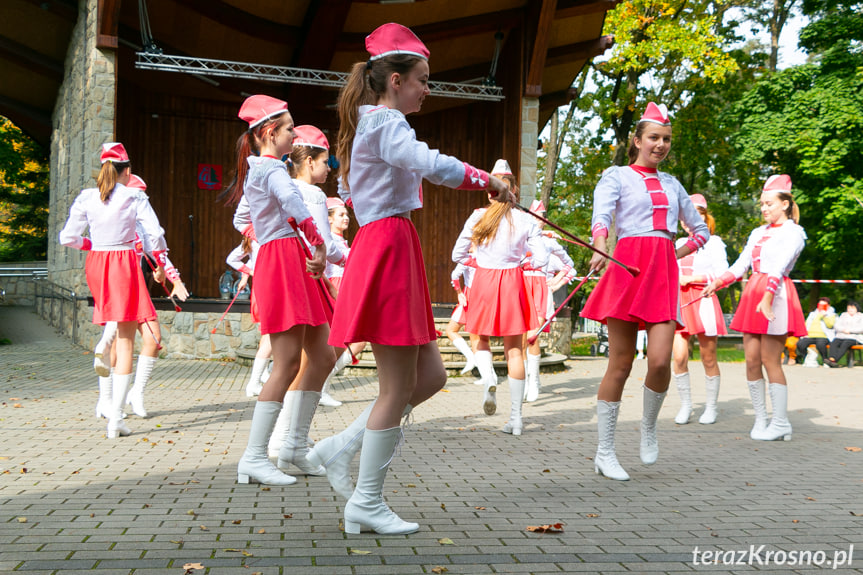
column 819, row 326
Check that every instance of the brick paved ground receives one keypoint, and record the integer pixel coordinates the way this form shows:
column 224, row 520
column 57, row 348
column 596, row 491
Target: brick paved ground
column 73, row 501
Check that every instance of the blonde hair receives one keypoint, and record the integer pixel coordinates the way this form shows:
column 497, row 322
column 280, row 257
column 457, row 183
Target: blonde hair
column 366, row 83
column 792, row 211
column 708, row 219
column 486, row 228
column 108, row 176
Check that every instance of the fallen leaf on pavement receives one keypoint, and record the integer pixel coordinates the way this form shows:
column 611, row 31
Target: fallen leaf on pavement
column 439, row 570
column 353, row 551
column 855, row 449
column 192, row 566
column 445, row 541
column 550, row 528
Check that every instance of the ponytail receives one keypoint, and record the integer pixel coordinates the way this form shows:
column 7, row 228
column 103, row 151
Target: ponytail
column 367, row 82
column 708, row 219
column 107, row 179
column 246, row 244
column 487, row 227
column 246, row 146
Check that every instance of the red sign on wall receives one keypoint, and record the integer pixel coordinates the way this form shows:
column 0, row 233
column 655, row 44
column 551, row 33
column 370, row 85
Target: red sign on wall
column 209, row 176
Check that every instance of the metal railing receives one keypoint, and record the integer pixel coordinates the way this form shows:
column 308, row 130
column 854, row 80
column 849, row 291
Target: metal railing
column 46, row 293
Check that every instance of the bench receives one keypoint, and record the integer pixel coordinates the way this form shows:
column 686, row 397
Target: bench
column 855, row 350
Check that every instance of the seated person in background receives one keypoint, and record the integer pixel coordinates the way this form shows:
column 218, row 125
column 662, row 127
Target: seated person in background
column 849, row 331
column 819, row 325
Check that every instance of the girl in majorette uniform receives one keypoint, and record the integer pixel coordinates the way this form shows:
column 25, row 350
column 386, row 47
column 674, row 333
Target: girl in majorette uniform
column 459, row 314
column 151, row 335
column 384, row 297
column 242, row 258
column 702, row 317
column 113, row 274
column 337, row 216
column 646, row 205
column 769, row 310
column 542, row 283
column 289, row 305
column 500, row 303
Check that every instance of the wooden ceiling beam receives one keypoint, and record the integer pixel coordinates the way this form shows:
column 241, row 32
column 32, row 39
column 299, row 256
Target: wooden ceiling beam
column 66, row 9
column 447, row 29
column 578, row 51
column 31, row 59
column 536, row 66
column 572, row 8
column 323, row 24
column 33, row 121
column 107, row 20
column 243, row 22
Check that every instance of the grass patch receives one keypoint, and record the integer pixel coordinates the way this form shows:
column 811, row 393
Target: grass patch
column 731, row 354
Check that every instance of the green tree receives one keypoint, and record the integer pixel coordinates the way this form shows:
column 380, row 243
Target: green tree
column 24, row 195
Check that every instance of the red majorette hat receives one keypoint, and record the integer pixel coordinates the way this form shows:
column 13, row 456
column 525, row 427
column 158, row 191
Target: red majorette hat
column 136, row 182
column 501, row 168
column 334, row 203
column 698, row 201
column 114, row 152
column 258, row 109
column 658, row 114
column 537, row 206
column 778, row 184
column 394, row 38
column 307, row 135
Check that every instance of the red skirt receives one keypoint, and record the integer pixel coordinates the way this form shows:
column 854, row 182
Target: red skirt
column 286, row 295
column 459, row 314
column 384, row 296
column 703, row 316
column 537, row 291
column 500, row 304
column 789, row 318
column 253, row 306
column 337, row 282
column 649, row 297
column 118, row 287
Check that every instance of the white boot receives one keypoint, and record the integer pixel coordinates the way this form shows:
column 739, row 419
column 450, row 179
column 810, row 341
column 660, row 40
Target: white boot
column 366, row 507
column 682, row 382
column 759, row 404
column 103, row 408
column 463, row 347
column 326, row 398
column 116, row 427
column 485, row 364
column 516, row 394
column 280, row 430
column 343, row 361
column 605, row 463
column 649, row 442
column 711, row 385
column 254, row 466
column 255, row 386
column 336, row 452
column 780, row 427
column 294, row 447
column 142, row 377
column 532, row 387
column 267, row 371
column 103, row 350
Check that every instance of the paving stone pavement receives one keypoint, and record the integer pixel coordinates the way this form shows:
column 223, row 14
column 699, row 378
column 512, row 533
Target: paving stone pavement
column 167, row 496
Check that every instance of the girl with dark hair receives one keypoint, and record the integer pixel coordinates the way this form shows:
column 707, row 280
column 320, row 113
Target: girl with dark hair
column 769, row 310
column 645, row 205
column 384, row 297
column 289, row 304
column 113, row 275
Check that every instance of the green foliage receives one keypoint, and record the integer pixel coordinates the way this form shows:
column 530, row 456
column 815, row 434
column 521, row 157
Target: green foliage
column 24, row 196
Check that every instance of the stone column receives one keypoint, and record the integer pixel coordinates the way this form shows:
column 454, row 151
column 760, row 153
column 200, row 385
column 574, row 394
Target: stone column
column 83, row 119
column 529, row 137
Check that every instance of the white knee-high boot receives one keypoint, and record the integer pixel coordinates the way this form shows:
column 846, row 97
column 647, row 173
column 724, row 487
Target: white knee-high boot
column 780, row 427
column 142, row 377
column 682, row 382
column 649, row 442
column 759, row 404
column 366, row 507
column 106, row 392
column 485, row 364
column 103, row 350
column 532, row 386
column 336, row 452
column 283, row 423
column 294, row 447
column 255, row 466
column 605, row 463
column 326, row 398
column 462, row 346
column 254, row 386
column 516, row 394
column 711, row 386
column 116, row 427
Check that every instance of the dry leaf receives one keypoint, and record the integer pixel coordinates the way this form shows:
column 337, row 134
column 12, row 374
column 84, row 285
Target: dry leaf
column 795, row 521
column 480, row 508
column 23, row 470
column 445, row 541
column 410, row 485
column 856, row 514
column 180, row 542
column 22, row 520
column 443, row 506
column 204, row 528
column 353, row 551
column 260, row 531
column 439, row 570
column 750, row 484
column 445, row 391
column 593, row 514
column 288, row 515
column 549, row 528
column 265, row 489
column 192, row 566
column 17, row 405
column 206, row 450
column 237, row 521
column 854, row 449
column 546, row 470
column 191, row 512
column 811, row 499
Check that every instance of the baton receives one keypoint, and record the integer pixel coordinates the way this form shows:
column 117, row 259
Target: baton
column 533, row 338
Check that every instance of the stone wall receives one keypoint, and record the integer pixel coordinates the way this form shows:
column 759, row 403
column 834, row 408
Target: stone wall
column 83, row 120
column 529, row 137
column 19, row 282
